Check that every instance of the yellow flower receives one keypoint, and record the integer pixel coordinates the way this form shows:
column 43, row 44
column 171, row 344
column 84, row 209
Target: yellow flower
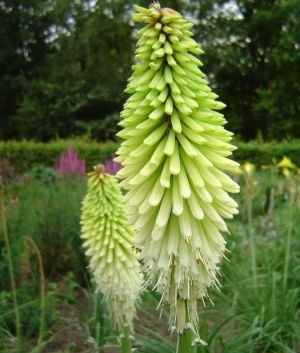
column 248, row 168
column 286, row 163
column 286, row 172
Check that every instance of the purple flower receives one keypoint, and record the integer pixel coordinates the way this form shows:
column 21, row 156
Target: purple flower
column 111, row 166
column 70, row 164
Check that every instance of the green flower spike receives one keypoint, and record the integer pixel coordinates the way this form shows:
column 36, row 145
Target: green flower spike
column 173, row 157
column 109, row 242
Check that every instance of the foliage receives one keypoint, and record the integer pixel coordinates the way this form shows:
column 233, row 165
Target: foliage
column 25, row 155
column 50, row 214
column 8, row 172
column 267, row 153
column 28, row 300
column 259, row 313
column 248, row 46
column 64, row 65
column 47, row 175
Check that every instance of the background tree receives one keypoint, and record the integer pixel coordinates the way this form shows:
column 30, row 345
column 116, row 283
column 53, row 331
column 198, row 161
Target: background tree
column 279, row 100
column 64, row 64
column 90, row 59
column 11, row 62
column 23, row 33
column 252, row 49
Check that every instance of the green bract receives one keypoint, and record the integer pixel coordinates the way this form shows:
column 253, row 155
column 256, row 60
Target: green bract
column 109, row 240
column 174, row 154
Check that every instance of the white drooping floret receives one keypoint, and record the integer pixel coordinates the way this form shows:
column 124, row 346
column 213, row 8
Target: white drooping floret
column 174, row 155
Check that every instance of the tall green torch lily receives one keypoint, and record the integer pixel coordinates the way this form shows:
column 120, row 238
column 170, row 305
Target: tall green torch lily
column 174, row 153
column 109, row 242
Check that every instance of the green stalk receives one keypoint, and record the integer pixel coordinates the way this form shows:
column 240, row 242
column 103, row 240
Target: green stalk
column 185, row 344
column 187, row 337
column 29, row 241
column 126, row 341
column 10, row 266
column 249, row 193
column 288, row 246
column 99, row 328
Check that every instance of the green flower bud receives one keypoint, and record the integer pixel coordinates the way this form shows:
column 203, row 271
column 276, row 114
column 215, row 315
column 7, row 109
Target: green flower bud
column 109, row 242
column 174, row 156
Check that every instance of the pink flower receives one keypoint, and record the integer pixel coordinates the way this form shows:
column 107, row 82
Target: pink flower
column 70, row 164
column 112, row 167
column 14, row 199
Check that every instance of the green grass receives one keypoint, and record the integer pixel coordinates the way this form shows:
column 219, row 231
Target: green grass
column 258, row 311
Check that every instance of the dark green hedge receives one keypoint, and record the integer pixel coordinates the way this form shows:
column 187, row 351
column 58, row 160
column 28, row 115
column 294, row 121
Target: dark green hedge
column 267, row 153
column 25, row 154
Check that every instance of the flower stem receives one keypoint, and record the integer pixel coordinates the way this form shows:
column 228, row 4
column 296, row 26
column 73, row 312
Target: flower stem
column 249, row 195
column 29, row 241
column 99, row 328
column 185, row 344
column 10, row 265
column 126, row 341
column 187, row 337
column 288, row 246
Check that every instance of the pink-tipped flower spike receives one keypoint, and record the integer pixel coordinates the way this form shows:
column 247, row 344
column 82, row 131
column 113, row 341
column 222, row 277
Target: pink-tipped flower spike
column 70, row 164
column 109, row 244
column 174, row 154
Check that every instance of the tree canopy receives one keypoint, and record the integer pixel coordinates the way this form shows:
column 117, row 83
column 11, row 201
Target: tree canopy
column 64, row 64
column 252, row 55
